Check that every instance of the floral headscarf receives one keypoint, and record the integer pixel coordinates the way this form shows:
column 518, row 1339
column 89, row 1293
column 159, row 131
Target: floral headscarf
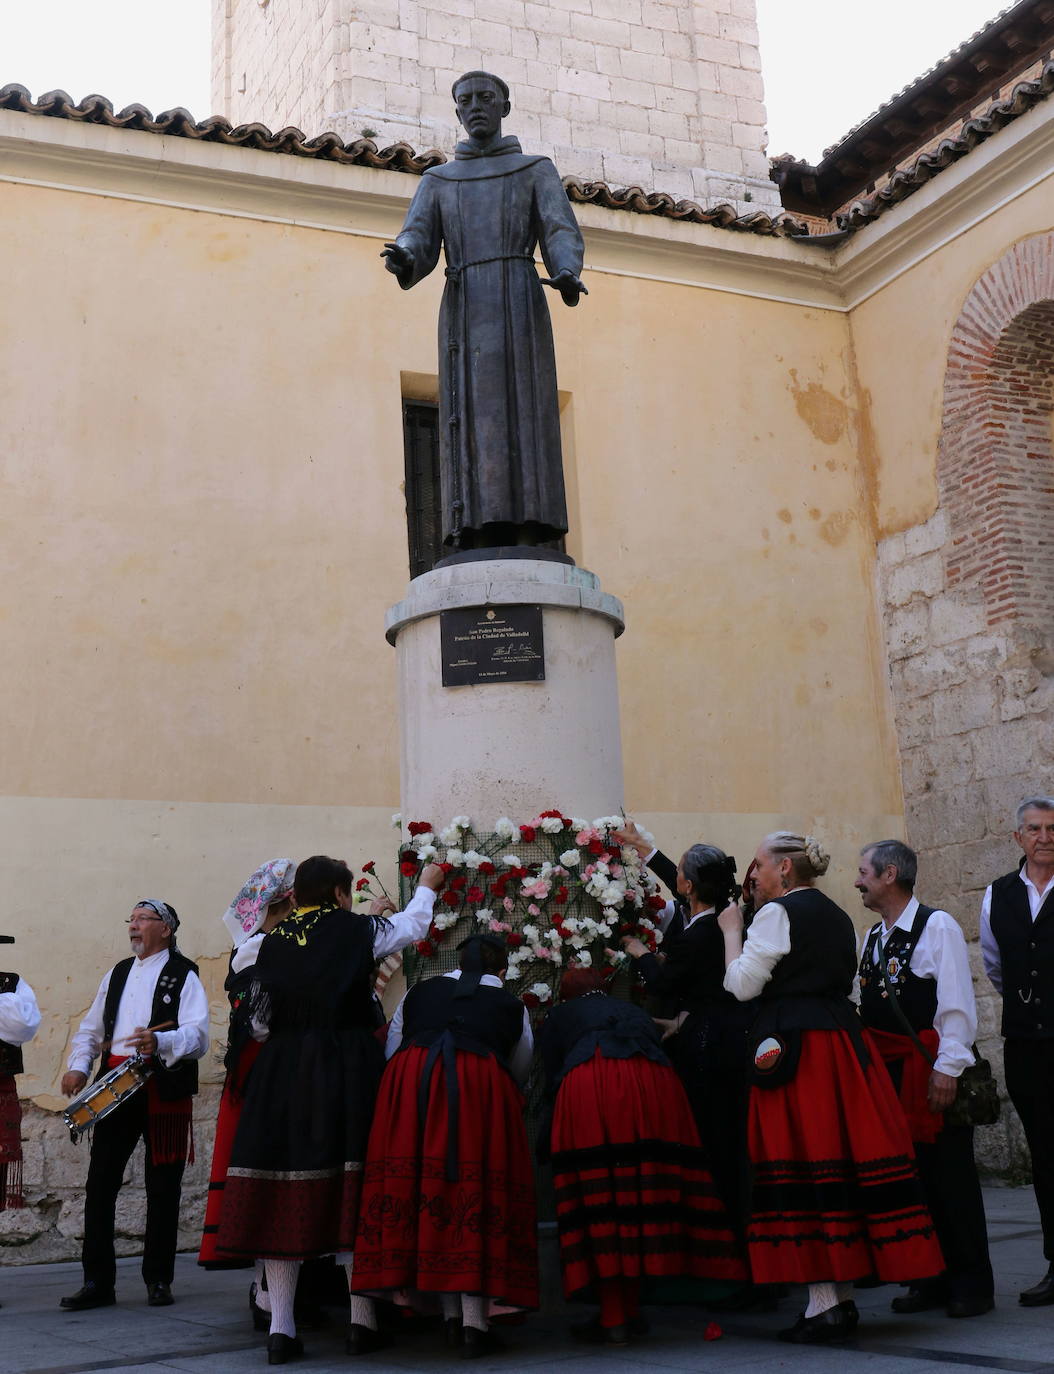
column 270, row 883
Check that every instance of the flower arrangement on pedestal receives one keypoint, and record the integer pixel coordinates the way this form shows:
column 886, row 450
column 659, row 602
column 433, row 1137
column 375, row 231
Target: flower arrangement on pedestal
column 562, row 891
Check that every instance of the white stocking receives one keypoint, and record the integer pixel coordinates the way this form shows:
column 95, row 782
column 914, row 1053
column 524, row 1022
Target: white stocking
column 822, row 1296
column 263, row 1298
column 363, row 1312
column 281, row 1284
column 474, row 1312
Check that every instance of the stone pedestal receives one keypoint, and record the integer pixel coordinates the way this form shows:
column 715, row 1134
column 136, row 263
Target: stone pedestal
column 510, row 748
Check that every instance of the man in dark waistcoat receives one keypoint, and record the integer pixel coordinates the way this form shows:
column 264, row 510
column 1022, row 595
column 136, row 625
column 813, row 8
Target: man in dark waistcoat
column 151, row 1004
column 501, row 467
column 1017, row 942
column 917, row 955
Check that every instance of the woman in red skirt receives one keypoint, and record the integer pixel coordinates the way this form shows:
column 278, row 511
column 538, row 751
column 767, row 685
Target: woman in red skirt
column 448, row 1190
column 263, row 901
column 835, row 1193
column 635, row 1204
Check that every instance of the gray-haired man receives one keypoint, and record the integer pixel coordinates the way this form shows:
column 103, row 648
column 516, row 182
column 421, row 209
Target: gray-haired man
column 156, row 988
column 1017, row 941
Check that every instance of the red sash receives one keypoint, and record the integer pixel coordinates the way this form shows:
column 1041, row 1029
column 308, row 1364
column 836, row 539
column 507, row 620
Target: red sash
column 169, row 1134
column 925, row 1126
column 10, row 1145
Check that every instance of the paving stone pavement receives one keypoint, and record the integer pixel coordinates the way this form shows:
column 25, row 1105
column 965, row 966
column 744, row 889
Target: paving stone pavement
column 208, row 1329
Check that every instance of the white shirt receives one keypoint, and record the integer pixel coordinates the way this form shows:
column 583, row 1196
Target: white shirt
column 402, row 928
column 189, row 1040
column 764, row 945
column 941, row 955
column 993, row 964
column 519, row 1059
column 19, row 1014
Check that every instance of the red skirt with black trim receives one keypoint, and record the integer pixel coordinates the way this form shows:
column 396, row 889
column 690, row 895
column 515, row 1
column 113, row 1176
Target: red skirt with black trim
column 420, row 1230
column 226, row 1126
column 836, row 1195
column 634, row 1199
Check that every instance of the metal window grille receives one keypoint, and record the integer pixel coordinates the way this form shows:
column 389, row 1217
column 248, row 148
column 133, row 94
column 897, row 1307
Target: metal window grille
column 424, row 525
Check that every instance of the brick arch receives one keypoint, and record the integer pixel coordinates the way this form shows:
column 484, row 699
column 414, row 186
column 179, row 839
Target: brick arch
column 995, row 465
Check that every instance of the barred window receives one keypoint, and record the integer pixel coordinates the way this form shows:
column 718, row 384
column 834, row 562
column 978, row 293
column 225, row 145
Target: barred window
column 424, row 525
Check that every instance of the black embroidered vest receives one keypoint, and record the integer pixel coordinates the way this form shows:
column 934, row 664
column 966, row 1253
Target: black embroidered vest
column 917, row 997
column 1026, row 957
column 10, row 1055
column 182, row 1079
column 491, row 1020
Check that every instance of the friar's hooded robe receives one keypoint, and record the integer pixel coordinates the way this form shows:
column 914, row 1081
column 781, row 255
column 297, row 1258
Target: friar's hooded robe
column 499, row 422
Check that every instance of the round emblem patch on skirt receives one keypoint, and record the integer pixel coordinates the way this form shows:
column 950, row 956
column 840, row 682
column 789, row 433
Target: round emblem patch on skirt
column 768, row 1054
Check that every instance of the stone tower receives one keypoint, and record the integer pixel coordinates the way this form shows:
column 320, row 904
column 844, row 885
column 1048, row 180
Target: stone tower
column 663, row 94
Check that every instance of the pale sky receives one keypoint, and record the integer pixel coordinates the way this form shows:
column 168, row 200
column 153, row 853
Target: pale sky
column 827, row 63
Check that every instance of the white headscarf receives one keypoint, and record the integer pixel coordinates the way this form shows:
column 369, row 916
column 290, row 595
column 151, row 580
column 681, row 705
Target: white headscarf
column 270, row 883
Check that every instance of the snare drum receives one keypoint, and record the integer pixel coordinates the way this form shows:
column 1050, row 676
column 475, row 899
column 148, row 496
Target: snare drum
column 105, row 1095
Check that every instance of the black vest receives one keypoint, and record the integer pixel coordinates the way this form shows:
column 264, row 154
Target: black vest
column 10, row 1055
column 1026, row 957
column 182, row 1079
column 916, row 997
column 822, row 957
column 488, row 1022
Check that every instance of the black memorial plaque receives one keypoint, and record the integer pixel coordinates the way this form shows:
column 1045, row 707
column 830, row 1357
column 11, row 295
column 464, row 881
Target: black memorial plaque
column 492, row 644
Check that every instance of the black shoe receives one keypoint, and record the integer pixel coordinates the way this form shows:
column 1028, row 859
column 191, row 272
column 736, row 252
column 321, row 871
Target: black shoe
column 918, row 1300
column 1040, row 1294
column 363, row 1340
column 281, row 1349
column 827, row 1328
column 852, row 1314
column 91, row 1295
column 958, row 1307
column 593, row 1333
column 476, row 1343
column 452, row 1333
column 261, row 1319
column 159, row 1295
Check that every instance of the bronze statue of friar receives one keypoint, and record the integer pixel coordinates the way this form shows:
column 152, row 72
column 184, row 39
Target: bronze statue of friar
column 501, row 464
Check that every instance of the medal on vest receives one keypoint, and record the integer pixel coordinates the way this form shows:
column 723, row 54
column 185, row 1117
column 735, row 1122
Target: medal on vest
column 768, row 1054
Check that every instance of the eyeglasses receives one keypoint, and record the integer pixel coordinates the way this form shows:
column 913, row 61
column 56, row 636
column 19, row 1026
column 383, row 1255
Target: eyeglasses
column 138, row 920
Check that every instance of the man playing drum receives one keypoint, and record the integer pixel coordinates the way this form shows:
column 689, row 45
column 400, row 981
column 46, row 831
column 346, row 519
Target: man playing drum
column 152, row 1004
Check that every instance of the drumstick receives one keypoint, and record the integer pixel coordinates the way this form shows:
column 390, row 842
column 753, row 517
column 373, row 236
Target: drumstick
column 162, row 1025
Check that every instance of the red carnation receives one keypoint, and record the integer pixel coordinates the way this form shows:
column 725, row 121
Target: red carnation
column 408, row 868
column 514, row 940
column 425, row 947
column 447, row 868
column 452, row 899
column 486, row 867
column 596, row 847
column 712, row 1332
column 527, row 834
column 362, row 883
column 518, row 873
column 369, row 867
column 560, row 895
column 458, row 882
column 655, row 902
column 529, row 1000
column 474, row 894
column 544, row 815
column 419, row 827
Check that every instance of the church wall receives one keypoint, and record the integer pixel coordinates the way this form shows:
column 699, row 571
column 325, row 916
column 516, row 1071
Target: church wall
column 664, row 94
column 963, row 575
column 203, row 525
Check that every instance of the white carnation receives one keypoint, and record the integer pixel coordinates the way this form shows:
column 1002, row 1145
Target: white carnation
column 512, row 973
column 461, row 823
column 577, row 824
column 451, row 835
column 474, row 859
column 484, row 916
column 510, row 860
column 419, row 841
column 397, row 821
column 532, row 934
column 552, row 825
column 584, row 959
column 542, row 991
column 426, row 852
column 570, row 858
column 454, row 856
column 609, row 823
column 505, row 828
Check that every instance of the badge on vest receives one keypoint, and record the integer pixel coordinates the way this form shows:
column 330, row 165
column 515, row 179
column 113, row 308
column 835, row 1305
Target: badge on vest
column 893, row 968
column 768, row 1054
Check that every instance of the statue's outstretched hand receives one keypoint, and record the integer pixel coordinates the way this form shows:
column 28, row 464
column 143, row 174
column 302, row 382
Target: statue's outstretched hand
column 397, row 259
column 569, row 286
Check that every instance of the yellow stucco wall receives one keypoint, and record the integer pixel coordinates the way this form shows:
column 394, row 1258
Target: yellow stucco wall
column 202, row 526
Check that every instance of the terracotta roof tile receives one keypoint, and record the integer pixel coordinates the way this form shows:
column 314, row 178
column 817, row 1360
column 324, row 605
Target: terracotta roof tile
column 907, row 180
column 363, row 152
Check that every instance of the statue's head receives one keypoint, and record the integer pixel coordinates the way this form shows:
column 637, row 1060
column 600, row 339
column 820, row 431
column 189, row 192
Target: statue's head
column 481, row 102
